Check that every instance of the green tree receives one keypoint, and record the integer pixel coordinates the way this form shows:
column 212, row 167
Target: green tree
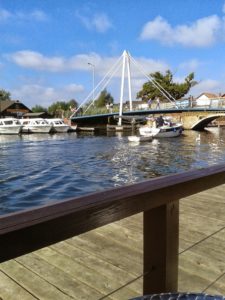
column 72, row 103
column 62, row 108
column 38, row 108
column 4, row 95
column 103, row 99
column 176, row 90
column 58, row 108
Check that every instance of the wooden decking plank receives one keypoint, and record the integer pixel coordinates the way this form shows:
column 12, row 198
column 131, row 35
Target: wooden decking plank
column 9, row 288
column 117, row 254
column 80, row 272
column 212, row 248
column 197, row 264
column 206, row 206
column 201, row 223
column 134, row 224
column 191, row 205
column 218, row 288
column 200, row 266
column 190, row 282
column 94, row 262
column 119, row 232
column 31, row 282
column 55, row 276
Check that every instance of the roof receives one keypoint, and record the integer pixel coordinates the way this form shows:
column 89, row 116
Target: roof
column 34, row 115
column 209, row 95
column 7, row 103
column 4, row 104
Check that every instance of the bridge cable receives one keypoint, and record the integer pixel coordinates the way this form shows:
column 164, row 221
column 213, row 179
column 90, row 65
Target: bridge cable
column 116, row 68
column 155, row 83
column 97, row 86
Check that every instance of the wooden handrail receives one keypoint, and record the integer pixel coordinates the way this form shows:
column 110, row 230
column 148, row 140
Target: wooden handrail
column 29, row 230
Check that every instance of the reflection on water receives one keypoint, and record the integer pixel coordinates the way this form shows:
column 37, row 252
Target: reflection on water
column 35, row 169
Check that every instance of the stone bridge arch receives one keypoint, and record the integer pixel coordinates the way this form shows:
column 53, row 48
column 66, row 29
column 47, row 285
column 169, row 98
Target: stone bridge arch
column 203, row 122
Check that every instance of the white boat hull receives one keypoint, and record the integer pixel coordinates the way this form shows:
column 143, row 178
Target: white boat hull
column 10, row 129
column 58, row 125
column 137, row 139
column 34, row 129
column 10, row 126
column 162, row 132
column 36, row 125
column 60, row 129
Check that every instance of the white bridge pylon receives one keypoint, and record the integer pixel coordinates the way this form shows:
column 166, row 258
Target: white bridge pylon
column 125, row 60
column 126, row 63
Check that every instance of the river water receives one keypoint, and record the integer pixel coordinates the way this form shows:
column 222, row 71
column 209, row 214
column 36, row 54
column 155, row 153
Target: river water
column 37, row 169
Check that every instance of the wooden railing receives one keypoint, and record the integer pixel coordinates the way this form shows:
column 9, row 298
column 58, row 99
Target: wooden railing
column 158, row 199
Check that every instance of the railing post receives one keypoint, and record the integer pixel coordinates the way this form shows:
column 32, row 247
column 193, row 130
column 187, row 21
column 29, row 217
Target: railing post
column 161, row 238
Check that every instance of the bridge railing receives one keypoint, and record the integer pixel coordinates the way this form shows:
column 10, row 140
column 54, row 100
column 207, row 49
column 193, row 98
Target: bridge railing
column 158, row 199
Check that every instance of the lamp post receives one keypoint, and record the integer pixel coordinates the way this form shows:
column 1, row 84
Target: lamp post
column 93, row 80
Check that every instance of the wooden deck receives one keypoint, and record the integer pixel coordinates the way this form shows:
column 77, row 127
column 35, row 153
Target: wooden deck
column 106, row 263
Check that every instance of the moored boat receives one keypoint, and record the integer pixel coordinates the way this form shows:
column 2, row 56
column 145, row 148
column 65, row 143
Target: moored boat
column 58, row 125
column 35, row 125
column 160, row 128
column 162, row 131
column 10, row 126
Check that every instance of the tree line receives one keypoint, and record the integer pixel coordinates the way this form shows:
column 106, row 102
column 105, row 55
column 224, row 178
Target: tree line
column 148, row 91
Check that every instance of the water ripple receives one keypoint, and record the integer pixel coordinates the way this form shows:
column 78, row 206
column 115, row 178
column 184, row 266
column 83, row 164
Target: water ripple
column 36, row 169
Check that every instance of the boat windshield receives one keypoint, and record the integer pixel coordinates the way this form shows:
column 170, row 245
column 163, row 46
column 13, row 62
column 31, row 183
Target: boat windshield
column 41, row 122
column 10, row 122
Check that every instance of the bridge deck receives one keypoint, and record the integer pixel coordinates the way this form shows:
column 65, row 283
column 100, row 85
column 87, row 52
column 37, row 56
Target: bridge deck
column 149, row 112
column 191, row 118
column 99, row 262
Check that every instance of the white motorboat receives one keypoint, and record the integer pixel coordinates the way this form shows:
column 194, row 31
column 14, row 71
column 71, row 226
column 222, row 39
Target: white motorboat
column 162, row 131
column 161, row 128
column 58, row 125
column 35, row 125
column 141, row 138
column 10, row 126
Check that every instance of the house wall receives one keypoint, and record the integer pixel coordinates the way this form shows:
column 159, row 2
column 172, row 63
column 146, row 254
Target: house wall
column 203, row 100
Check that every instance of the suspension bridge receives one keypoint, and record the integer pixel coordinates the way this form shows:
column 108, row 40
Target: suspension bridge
column 191, row 117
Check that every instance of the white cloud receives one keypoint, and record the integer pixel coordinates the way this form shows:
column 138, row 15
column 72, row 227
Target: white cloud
column 191, row 65
column 207, row 85
column 158, row 29
column 35, row 94
column 5, row 15
column 150, row 66
column 37, row 15
column 99, row 22
column 223, row 9
column 74, row 88
column 37, row 61
column 34, row 15
column 202, row 33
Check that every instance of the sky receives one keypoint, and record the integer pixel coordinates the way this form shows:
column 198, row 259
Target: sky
column 57, row 50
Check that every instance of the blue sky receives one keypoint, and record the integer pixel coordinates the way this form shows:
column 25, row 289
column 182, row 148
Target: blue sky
column 46, row 45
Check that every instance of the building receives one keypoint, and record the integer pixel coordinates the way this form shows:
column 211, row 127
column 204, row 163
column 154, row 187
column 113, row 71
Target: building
column 210, row 100
column 13, row 108
column 42, row 114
